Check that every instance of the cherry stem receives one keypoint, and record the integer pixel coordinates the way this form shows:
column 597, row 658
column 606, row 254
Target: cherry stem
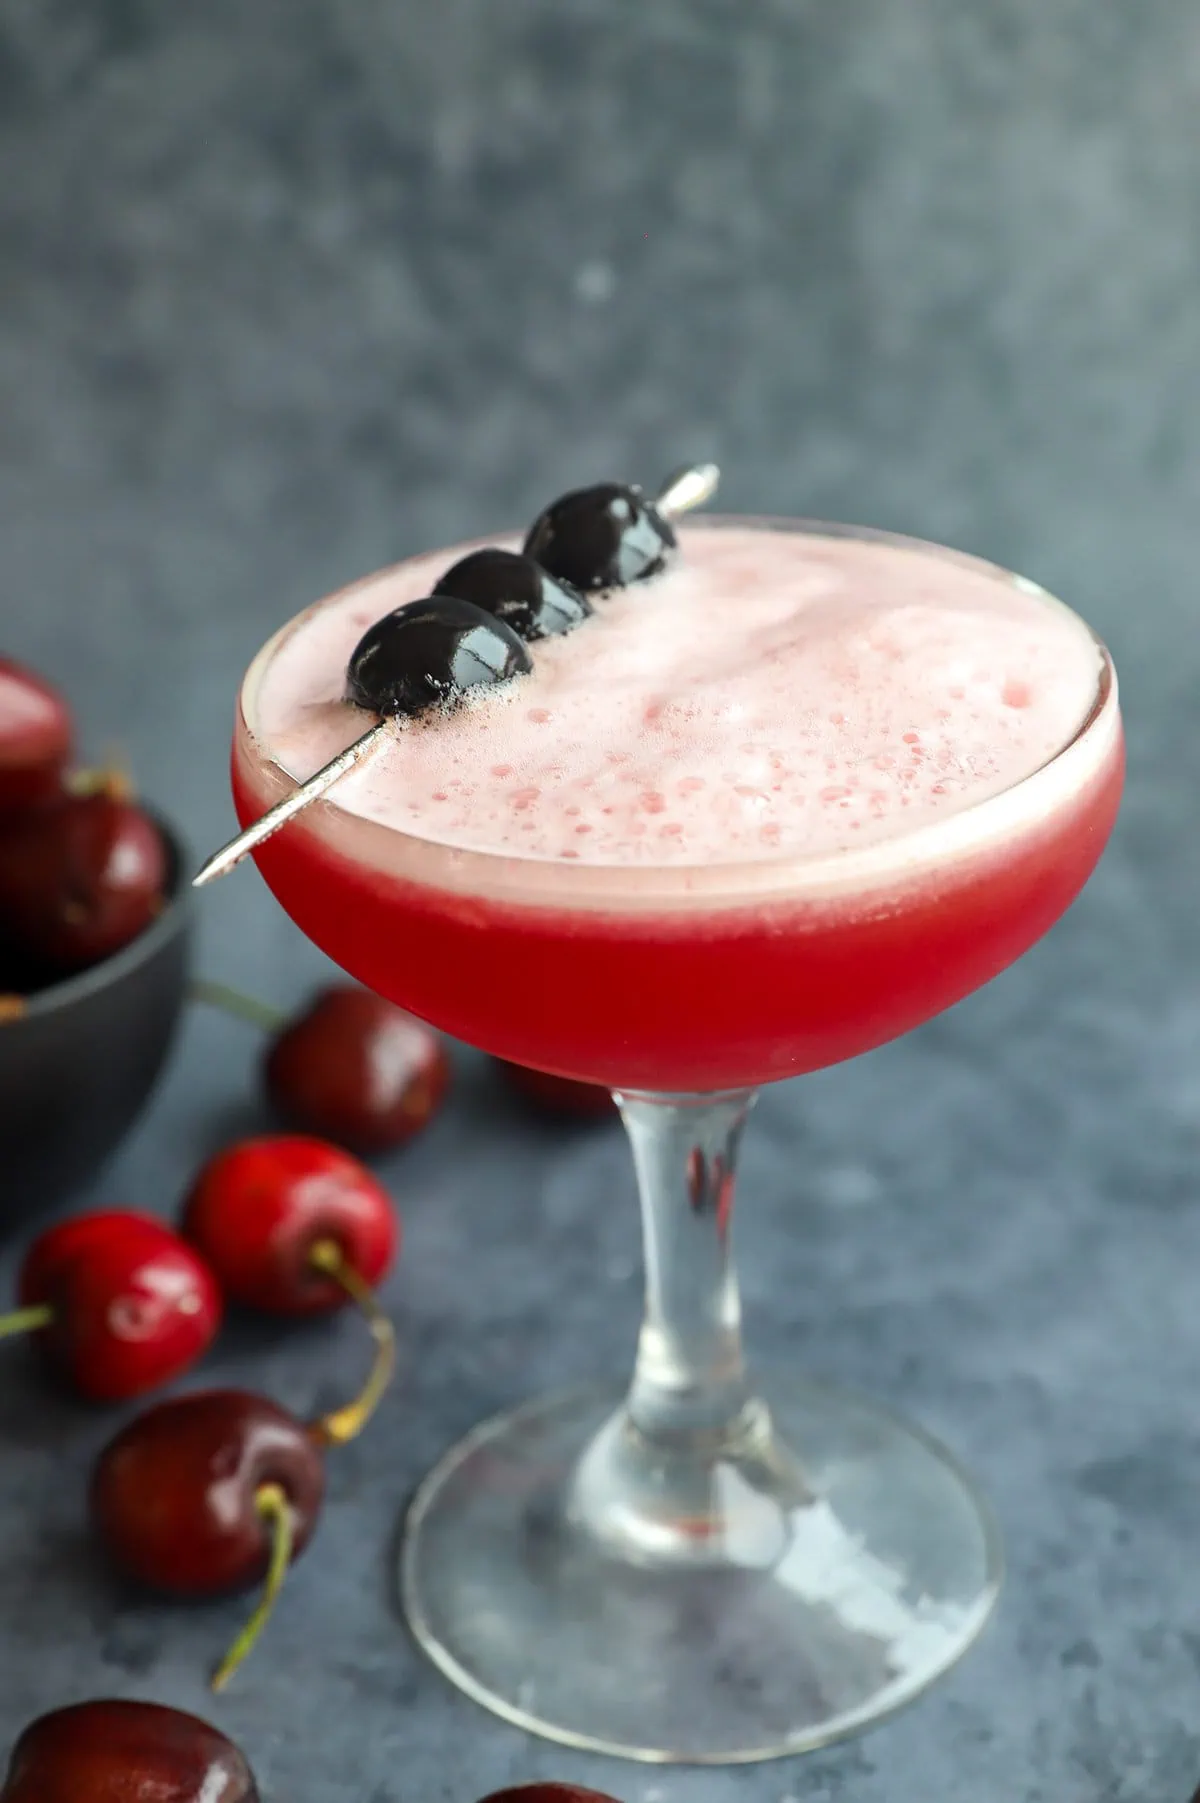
column 26, row 1320
column 272, row 1503
column 344, row 1424
column 241, row 1007
column 112, row 778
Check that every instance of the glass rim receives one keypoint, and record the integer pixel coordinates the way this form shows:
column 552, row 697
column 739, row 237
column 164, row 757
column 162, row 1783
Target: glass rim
column 556, row 884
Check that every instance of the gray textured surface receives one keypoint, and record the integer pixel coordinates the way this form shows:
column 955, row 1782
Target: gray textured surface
column 287, row 290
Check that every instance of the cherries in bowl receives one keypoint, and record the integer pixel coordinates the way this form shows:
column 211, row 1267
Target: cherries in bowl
column 80, row 1054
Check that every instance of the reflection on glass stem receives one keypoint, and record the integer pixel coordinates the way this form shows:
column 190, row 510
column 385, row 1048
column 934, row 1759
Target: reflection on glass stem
column 688, row 1472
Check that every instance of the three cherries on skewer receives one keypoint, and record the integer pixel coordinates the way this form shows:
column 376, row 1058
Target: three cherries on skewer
column 476, row 627
column 473, row 631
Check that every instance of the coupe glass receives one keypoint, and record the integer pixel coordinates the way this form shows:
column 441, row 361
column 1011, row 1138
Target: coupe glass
column 694, row 1567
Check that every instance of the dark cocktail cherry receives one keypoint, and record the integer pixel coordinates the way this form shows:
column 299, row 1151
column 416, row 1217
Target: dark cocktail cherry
column 207, row 1494
column 111, row 1751
column 118, row 1302
column 601, row 538
column 516, row 590
column 428, row 654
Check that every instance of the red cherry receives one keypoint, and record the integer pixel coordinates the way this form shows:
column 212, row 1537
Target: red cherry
column 118, row 1752
column 548, row 1793
column 258, row 1211
column 357, row 1069
column 59, row 1246
column 35, row 739
column 173, row 1494
column 81, row 879
column 558, row 1095
column 209, row 1493
column 121, row 1302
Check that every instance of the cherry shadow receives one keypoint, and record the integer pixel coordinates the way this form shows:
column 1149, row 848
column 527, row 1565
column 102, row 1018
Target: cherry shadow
column 37, row 1411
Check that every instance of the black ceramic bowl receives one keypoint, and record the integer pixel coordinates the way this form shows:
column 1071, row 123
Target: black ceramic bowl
column 78, row 1066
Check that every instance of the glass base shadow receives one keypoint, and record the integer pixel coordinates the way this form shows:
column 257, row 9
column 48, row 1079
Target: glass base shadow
column 802, row 1577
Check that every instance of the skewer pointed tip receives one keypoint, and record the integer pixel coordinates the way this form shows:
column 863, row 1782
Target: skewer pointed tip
column 216, row 866
column 231, row 855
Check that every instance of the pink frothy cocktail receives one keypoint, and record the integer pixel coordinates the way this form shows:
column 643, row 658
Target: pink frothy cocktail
column 757, row 815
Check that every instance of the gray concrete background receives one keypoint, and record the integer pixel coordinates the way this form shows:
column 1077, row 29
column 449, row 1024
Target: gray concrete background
column 288, row 290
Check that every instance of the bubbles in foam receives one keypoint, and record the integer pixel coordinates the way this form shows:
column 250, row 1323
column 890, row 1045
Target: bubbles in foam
column 774, row 694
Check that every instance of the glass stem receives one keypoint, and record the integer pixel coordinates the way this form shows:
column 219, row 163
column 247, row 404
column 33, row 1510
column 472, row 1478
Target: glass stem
column 690, row 1380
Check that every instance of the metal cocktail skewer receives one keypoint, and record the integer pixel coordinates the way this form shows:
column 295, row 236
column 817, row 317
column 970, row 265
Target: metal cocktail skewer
column 686, row 489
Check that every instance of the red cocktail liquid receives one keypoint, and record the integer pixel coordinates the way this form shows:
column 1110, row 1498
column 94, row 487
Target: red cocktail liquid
column 696, row 999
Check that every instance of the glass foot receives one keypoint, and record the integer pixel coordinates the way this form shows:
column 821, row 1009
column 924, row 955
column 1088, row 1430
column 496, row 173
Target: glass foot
column 802, row 1595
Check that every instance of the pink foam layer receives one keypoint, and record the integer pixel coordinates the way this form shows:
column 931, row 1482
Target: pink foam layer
column 774, row 695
